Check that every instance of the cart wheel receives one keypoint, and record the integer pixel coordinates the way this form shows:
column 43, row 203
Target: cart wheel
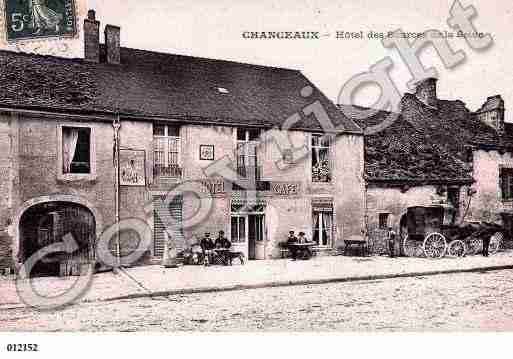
column 457, row 248
column 495, row 242
column 408, row 247
column 435, row 245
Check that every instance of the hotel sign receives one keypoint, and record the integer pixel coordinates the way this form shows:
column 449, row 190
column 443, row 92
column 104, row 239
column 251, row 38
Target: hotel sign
column 33, row 19
column 285, row 188
column 215, row 186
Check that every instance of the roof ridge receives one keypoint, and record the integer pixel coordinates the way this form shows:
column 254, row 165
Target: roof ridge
column 208, row 59
column 45, row 56
column 81, row 60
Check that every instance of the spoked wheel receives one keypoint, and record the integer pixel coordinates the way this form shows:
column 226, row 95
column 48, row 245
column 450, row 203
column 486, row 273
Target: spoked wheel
column 457, row 248
column 495, row 242
column 408, row 247
column 412, row 248
column 435, row 245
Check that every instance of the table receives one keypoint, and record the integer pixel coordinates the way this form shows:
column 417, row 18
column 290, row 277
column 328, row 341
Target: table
column 304, row 249
column 355, row 242
column 221, row 256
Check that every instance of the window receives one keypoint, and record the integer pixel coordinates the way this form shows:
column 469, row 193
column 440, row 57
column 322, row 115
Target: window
column 246, row 153
column 76, row 150
column 506, row 178
column 321, row 162
column 238, row 226
column 383, row 220
column 322, row 227
column 166, row 147
column 453, row 197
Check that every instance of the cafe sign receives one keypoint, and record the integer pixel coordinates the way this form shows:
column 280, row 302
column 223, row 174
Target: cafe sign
column 285, row 188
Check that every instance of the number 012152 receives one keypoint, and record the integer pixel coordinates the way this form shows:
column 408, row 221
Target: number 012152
column 22, row 347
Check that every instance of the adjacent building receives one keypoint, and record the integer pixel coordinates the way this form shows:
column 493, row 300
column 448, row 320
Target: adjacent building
column 436, row 152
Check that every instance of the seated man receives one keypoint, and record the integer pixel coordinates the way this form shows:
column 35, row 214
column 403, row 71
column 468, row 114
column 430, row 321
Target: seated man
column 223, row 243
column 307, row 253
column 207, row 245
column 292, row 239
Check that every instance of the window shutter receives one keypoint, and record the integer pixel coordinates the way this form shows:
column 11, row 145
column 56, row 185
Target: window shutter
column 162, row 216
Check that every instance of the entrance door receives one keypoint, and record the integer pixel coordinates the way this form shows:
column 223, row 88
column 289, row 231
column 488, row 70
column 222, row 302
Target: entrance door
column 239, row 233
column 252, row 237
column 256, row 236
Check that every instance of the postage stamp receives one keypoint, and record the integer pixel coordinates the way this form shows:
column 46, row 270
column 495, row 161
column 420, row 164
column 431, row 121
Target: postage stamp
column 34, row 19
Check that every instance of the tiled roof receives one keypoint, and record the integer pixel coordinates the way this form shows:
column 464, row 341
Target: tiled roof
column 402, row 153
column 492, row 103
column 154, row 84
column 451, row 125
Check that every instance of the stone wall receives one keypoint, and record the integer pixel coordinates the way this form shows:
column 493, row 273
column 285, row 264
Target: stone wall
column 395, row 201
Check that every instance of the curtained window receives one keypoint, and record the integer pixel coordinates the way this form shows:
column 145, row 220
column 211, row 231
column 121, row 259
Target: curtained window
column 321, row 164
column 322, row 227
column 76, row 150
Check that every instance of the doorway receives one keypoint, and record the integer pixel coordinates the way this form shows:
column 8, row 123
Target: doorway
column 248, row 232
column 255, row 236
column 47, row 223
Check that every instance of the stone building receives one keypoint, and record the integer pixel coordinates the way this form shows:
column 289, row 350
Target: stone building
column 436, row 152
column 179, row 117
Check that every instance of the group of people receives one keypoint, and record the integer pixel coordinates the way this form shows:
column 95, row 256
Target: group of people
column 300, row 239
column 208, row 246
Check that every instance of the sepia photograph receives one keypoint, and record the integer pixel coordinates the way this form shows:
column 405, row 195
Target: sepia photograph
column 228, row 167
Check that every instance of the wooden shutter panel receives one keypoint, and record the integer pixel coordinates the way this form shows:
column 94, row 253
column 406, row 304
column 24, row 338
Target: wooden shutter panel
column 161, row 216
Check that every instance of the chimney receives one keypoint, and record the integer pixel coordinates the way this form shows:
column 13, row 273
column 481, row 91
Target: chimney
column 425, row 91
column 112, row 44
column 492, row 113
column 91, row 37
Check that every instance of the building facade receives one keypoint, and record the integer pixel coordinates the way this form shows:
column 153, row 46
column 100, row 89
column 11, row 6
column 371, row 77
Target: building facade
column 186, row 145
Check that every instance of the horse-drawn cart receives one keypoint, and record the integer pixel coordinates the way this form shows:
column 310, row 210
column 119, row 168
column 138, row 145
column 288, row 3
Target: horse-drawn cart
column 431, row 231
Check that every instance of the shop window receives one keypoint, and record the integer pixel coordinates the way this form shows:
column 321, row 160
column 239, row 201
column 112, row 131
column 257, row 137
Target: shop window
column 76, row 150
column 506, row 178
column 238, row 229
column 383, row 220
column 322, row 227
column 321, row 162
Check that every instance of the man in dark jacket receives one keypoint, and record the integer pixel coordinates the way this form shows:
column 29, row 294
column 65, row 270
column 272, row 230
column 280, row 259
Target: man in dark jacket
column 222, row 241
column 292, row 239
column 207, row 245
column 391, row 242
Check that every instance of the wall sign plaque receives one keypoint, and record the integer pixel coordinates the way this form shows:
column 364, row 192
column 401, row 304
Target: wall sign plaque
column 132, row 164
column 285, row 188
column 33, row 19
column 207, row 152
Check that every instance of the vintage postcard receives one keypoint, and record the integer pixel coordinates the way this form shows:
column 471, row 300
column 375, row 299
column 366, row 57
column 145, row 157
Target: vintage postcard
column 275, row 166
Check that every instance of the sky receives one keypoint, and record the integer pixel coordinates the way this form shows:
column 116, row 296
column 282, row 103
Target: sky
column 214, row 29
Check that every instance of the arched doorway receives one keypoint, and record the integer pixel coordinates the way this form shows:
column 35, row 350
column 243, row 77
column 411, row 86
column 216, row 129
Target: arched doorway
column 46, row 223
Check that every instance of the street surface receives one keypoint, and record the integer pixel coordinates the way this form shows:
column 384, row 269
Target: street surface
column 467, row 301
